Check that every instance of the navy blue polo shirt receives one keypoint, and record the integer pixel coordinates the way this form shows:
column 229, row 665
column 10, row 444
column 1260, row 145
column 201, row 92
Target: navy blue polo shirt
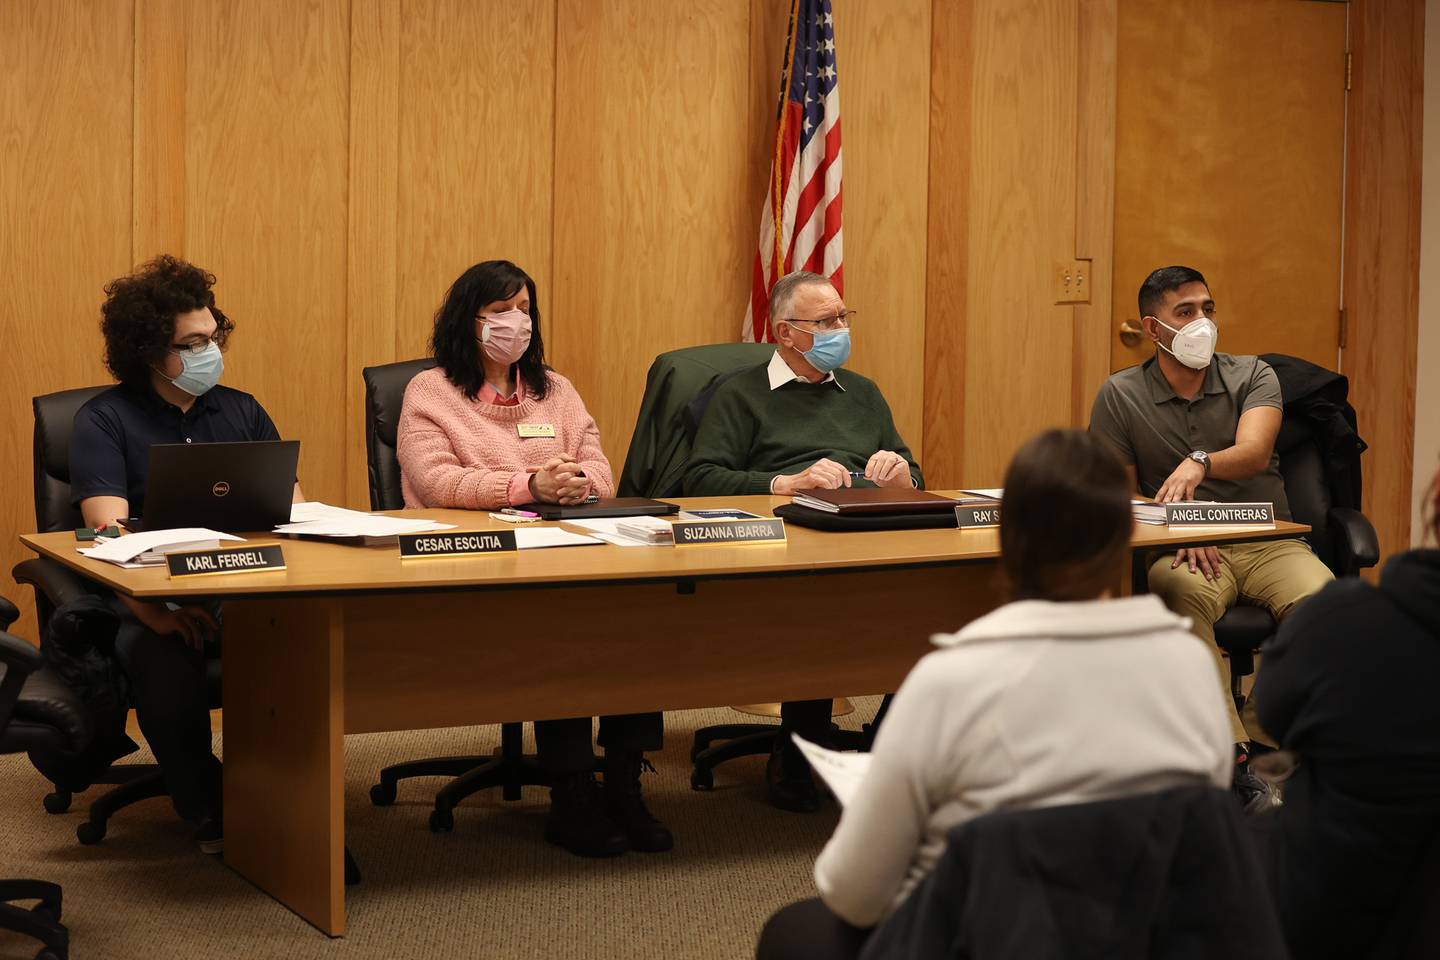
column 110, row 444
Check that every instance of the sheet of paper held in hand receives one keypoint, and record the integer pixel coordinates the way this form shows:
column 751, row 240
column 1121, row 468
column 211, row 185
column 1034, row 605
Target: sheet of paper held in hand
column 842, row 772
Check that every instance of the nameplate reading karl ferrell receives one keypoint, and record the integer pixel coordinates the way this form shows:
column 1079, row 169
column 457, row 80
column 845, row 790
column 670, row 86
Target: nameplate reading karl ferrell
column 694, row 534
column 978, row 515
column 203, row 563
column 418, row 545
column 1220, row 514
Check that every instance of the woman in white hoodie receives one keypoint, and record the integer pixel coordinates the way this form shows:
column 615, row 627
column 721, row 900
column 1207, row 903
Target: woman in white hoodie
column 1062, row 696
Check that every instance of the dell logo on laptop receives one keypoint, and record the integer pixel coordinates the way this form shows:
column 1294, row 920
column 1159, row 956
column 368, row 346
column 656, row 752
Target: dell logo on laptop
column 220, row 489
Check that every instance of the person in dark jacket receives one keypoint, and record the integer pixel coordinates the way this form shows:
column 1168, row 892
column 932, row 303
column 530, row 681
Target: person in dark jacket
column 1350, row 687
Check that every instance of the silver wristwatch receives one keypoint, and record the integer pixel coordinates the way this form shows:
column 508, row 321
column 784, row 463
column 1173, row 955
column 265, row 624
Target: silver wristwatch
column 1202, row 458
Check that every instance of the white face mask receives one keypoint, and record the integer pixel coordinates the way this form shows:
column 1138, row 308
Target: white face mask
column 1194, row 343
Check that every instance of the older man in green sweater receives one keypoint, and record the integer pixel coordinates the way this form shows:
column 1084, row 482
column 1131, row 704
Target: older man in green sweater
column 799, row 422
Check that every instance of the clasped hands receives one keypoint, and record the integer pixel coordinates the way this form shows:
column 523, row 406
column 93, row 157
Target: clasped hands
column 1180, row 486
column 560, row 480
column 884, row 469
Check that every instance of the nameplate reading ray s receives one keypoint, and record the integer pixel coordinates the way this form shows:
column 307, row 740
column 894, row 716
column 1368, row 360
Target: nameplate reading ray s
column 701, row 532
column 983, row 515
column 1192, row 515
column 415, row 546
column 260, row 558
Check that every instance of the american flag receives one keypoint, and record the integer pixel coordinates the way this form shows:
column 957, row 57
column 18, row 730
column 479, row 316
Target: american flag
column 804, row 199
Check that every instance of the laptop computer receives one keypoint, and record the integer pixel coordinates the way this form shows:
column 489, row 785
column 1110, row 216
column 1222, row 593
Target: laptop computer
column 228, row 487
column 612, row 507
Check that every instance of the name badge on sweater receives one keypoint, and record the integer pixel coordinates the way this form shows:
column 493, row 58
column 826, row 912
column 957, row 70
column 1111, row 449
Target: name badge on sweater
column 535, row 429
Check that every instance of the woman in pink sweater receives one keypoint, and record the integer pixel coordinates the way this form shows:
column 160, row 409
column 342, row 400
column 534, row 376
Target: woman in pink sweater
column 490, row 426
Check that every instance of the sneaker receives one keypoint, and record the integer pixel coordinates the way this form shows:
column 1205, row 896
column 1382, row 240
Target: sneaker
column 210, row 837
column 578, row 821
column 626, row 806
column 787, row 777
column 1256, row 795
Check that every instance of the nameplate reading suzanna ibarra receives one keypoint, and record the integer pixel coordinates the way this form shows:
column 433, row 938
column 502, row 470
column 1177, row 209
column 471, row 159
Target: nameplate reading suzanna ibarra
column 699, row 532
column 204, row 563
column 1220, row 514
column 415, row 546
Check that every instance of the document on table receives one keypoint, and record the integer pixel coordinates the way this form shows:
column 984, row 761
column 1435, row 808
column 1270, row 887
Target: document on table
column 323, row 520
column 986, row 493
column 842, row 772
column 535, row 538
column 145, row 549
column 607, row 529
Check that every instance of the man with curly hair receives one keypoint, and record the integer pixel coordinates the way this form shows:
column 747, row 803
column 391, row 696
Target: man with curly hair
column 164, row 338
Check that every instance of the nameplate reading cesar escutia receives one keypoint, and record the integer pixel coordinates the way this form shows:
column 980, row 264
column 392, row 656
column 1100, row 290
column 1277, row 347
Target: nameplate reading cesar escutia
column 985, row 515
column 201, row 563
column 692, row 534
column 1220, row 514
column 451, row 544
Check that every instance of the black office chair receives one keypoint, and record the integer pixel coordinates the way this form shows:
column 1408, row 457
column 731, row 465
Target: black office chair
column 1342, row 538
column 55, row 585
column 678, row 390
column 37, row 712
column 510, row 768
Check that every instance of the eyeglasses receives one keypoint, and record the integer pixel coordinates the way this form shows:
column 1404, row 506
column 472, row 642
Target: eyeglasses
column 197, row 346
column 840, row 321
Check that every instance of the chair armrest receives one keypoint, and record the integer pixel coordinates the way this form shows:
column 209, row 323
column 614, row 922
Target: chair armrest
column 56, row 581
column 20, row 660
column 17, row 654
column 9, row 613
column 1359, row 547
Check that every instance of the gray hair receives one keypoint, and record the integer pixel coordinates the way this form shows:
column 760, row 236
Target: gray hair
column 783, row 293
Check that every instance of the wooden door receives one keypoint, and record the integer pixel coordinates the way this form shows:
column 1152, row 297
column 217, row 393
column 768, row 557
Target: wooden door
column 1230, row 139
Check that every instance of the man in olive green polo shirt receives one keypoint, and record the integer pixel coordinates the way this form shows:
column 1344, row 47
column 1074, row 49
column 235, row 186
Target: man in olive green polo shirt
column 1193, row 424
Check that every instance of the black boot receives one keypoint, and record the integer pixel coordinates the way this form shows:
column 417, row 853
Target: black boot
column 627, row 807
column 787, row 777
column 578, row 821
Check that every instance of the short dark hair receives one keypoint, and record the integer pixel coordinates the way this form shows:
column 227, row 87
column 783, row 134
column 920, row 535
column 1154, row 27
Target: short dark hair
column 137, row 319
column 1163, row 281
column 1065, row 521
column 1432, row 509
column 454, row 343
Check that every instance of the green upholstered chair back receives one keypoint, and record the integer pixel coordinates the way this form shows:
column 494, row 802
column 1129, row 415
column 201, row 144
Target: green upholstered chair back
column 660, row 445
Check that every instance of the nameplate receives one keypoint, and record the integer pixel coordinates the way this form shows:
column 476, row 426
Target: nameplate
column 984, row 515
column 207, row 563
column 1220, row 514
column 536, row 429
column 699, row 532
column 417, row 545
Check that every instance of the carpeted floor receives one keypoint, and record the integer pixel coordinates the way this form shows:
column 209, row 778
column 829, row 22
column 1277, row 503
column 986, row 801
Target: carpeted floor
column 491, row 889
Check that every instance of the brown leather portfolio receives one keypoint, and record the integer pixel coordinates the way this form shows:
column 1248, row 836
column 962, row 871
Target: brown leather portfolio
column 856, row 500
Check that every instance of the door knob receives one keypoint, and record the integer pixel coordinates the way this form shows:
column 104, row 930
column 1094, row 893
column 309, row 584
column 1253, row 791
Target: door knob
column 1131, row 333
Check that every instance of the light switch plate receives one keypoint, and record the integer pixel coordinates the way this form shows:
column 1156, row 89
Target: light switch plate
column 1072, row 281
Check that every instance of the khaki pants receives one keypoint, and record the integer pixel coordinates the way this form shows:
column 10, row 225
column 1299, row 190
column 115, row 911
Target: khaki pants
column 1275, row 575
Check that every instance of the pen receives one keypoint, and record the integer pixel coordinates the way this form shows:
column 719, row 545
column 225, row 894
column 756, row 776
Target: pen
column 857, row 473
column 512, row 512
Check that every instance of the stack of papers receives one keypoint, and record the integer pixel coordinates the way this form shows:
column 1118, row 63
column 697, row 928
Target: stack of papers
column 649, row 529
column 148, row 549
column 536, row 538
column 336, row 523
column 1147, row 511
column 608, row 530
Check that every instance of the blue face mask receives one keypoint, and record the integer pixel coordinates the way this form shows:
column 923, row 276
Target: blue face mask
column 830, row 351
column 200, row 371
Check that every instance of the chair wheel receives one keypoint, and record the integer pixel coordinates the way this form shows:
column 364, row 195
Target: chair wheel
column 702, row 778
column 382, row 794
column 441, row 821
column 57, row 802
column 90, row 832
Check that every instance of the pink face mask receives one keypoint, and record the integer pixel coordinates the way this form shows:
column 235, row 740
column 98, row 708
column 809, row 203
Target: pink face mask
column 506, row 336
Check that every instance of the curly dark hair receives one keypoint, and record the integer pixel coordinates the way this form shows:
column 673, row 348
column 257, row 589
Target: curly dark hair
column 456, row 349
column 138, row 317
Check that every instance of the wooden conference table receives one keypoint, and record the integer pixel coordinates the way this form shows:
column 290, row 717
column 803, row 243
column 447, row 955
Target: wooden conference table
column 355, row 640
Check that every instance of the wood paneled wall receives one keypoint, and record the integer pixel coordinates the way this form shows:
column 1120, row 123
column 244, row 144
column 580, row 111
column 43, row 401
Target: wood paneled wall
column 337, row 163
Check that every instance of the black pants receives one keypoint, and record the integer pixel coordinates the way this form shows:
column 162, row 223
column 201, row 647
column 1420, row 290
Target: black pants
column 172, row 702
column 809, row 931
column 564, row 745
